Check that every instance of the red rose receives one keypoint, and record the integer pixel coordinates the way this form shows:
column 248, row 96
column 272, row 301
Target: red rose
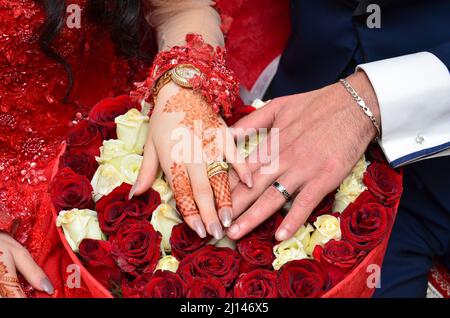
column 135, row 288
column 364, row 225
column 301, row 279
column 365, row 197
column 255, row 253
column 136, row 247
column 266, row 231
column 374, row 153
column 105, row 111
column 206, row 288
column 87, row 136
column 114, row 208
column 79, row 161
column 260, row 283
column 165, row 284
column 185, row 241
column 70, row 190
column 99, row 262
column 325, row 206
column 384, row 183
column 210, row 261
column 337, row 259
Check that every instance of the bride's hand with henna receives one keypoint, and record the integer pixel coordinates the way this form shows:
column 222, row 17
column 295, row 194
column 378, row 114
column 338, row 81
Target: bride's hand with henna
column 185, row 135
column 15, row 258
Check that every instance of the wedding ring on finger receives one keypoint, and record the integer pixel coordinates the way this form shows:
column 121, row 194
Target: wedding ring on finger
column 282, row 190
column 216, row 168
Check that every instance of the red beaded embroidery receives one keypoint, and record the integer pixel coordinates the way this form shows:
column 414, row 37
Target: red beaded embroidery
column 216, row 83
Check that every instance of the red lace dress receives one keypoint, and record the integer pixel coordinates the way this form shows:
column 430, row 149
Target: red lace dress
column 33, row 121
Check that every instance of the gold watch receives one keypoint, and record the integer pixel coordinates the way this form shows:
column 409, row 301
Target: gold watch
column 180, row 75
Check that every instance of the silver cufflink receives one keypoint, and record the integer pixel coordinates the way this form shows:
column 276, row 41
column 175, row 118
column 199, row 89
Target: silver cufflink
column 420, row 139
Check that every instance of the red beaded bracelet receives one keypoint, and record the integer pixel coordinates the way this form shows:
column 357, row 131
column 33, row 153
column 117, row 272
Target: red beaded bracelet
column 216, row 83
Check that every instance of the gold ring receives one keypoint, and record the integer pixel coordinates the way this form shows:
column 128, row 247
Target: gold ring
column 216, row 168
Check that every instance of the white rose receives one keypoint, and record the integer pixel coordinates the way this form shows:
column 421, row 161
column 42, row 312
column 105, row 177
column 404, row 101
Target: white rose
column 293, row 248
column 257, row 103
column 360, row 167
column 164, row 218
column 303, row 234
column 145, row 107
column 351, row 187
column 223, row 242
column 168, row 263
column 246, row 147
column 112, row 149
column 105, row 179
column 163, row 189
column 348, row 192
column 327, row 227
column 129, row 167
column 132, row 129
column 79, row 225
column 286, row 251
column 111, row 175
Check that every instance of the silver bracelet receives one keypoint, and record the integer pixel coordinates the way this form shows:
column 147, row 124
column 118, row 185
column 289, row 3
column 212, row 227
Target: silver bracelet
column 362, row 104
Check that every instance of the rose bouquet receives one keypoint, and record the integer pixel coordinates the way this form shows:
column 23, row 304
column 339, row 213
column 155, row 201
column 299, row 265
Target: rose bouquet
column 141, row 247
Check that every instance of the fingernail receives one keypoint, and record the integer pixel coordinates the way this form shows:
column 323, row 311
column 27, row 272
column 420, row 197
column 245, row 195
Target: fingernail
column 282, row 234
column 199, row 228
column 216, row 231
column 132, row 190
column 225, row 216
column 248, row 180
column 234, row 229
column 47, row 286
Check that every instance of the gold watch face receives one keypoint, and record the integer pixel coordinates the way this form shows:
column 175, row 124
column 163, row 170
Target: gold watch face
column 182, row 74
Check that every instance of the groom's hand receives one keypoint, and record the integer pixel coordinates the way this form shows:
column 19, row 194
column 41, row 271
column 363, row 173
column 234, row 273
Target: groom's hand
column 322, row 134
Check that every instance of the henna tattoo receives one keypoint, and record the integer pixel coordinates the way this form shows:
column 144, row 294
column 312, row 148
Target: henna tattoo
column 196, row 109
column 8, row 290
column 220, row 183
column 3, row 269
column 182, row 190
column 9, row 279
column 9, row 286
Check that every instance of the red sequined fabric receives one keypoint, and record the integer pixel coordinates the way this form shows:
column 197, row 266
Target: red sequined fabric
column 34, row 121
column 216, row 83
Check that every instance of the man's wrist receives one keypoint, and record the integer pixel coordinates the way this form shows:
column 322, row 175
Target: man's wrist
column 361, row 84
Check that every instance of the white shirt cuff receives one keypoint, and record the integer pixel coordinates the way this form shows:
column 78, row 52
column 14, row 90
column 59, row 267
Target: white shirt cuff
column 413, row 93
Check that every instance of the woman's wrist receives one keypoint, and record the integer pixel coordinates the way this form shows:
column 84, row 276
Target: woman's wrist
column 165, row 93
column 214, row 81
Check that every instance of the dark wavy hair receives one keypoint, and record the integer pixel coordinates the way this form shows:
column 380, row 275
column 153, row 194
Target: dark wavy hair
column 124, row 19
